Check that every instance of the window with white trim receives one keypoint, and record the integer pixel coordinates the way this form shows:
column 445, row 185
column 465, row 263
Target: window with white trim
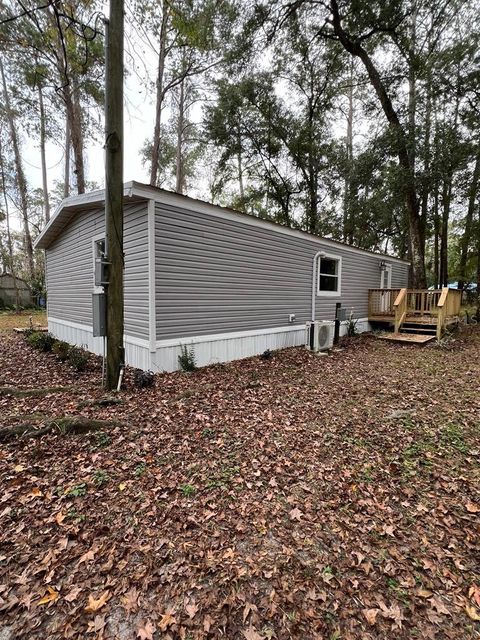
column 329, row 275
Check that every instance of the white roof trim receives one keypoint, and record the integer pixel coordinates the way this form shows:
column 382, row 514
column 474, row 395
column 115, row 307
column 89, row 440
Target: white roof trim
column 138, row 190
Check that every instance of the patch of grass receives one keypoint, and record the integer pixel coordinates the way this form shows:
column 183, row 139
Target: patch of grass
column 101, row 439
column 140, row 469
column 223, row 478
column 100, row 477
column 77, row 491
column 366, row 474
column 452, row 436
column 76, row 516
column 187, row 490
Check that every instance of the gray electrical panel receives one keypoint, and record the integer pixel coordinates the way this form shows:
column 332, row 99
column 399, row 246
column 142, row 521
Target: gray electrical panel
column 99, row 308
column 341, row 314
column 101, row 273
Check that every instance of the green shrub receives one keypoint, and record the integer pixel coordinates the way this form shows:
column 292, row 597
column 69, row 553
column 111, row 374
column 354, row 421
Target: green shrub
column 40, row 340
column 61, row 349
column 352, row 330
column 77, row 358
column 186, row 359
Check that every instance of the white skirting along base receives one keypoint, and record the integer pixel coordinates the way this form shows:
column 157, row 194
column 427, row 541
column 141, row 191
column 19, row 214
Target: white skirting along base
column 207, row 349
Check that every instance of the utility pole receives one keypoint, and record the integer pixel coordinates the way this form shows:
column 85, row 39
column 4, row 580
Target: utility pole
column 114, row 190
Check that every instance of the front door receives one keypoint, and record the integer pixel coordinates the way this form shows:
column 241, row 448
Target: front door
column 386, row 283
column 386, row 277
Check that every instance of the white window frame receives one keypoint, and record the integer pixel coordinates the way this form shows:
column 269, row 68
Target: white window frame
column 95, row 239
column 338, row 292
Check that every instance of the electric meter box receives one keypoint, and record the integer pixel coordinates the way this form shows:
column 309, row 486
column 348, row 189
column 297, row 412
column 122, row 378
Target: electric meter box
column 101, row 272
column 99, row 308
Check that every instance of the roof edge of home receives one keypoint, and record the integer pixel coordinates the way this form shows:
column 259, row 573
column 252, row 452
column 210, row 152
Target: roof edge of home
column 138, row 190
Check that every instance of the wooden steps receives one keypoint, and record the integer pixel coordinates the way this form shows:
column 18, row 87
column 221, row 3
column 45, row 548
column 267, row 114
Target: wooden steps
column 412, row 338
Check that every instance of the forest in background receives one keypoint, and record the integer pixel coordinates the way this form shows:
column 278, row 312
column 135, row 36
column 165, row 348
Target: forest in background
column 351, row 119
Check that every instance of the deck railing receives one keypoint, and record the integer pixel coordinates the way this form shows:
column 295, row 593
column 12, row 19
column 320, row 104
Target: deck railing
column 441, row 305
column 380, row 302
column 423, row 302
column 400, row 307
column 448, row 306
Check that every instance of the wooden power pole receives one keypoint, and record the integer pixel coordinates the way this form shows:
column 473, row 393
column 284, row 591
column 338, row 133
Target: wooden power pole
column 114, row 191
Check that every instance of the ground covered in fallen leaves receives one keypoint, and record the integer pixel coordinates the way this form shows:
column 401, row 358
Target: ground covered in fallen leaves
column 298, row 497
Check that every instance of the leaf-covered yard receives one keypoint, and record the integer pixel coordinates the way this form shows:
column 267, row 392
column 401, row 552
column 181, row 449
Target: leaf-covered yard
column 299, row 497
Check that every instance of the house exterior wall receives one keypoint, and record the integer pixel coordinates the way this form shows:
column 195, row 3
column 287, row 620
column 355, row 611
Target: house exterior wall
column 202, row 276
column 70, row 270
column 216, row 275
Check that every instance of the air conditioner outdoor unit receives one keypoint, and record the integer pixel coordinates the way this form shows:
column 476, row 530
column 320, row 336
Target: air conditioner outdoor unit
column 319, row 335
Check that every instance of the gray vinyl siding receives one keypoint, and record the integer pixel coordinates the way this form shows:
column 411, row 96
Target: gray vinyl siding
column 69, row 267
column 399, row 275
column 216, row 275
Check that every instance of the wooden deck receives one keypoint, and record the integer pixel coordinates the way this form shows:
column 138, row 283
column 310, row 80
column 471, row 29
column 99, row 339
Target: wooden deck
column 406, row 308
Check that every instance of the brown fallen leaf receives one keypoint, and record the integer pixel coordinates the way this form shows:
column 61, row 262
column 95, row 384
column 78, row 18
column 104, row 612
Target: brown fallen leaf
column 191, row 610
column 130, row 600
column 295, row 514
column 474, row 592
column 50, row 596
column 472, row 613
column 471, row 507
column 72, row 595
column 88, row 555
column 439, row 607
column 251, row 634
column 371, row 615
column 94, row 605
column 167, row 620
column 59, row 518
column 146, row 632
column 207, row 623
column 424, row 593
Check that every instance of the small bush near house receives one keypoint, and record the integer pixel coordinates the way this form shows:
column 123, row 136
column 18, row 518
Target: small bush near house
column 77, row 358
column 352, row 330
column 142, row 379
column 186, row 359
column 40, row 340
column 61, row 349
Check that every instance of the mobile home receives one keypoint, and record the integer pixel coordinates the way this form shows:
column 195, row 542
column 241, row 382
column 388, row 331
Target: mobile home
column 228, row 284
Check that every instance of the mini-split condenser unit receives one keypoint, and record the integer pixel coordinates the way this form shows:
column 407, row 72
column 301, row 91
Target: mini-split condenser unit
column 319, row 335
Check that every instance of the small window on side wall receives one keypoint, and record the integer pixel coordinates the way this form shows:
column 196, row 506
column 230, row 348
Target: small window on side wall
column 329, row 275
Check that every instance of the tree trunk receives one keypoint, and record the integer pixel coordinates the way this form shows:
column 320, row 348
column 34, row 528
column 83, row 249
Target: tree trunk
column 73, row 109
column 348, row 209
column 66, row 184
column 76, row 134
column 417, row 249
column 240, row 171
column 114, row 188
column 478, row 266
column 180, row 169
column 467, row 234
column 9, row 235
column 446, row 200
column 20, row 177
column 436, row 239
column 160, row 97
column 46, row 200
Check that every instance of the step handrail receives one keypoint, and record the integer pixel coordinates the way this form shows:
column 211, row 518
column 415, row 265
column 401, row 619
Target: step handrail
column 400, row 308
column 442, row 309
